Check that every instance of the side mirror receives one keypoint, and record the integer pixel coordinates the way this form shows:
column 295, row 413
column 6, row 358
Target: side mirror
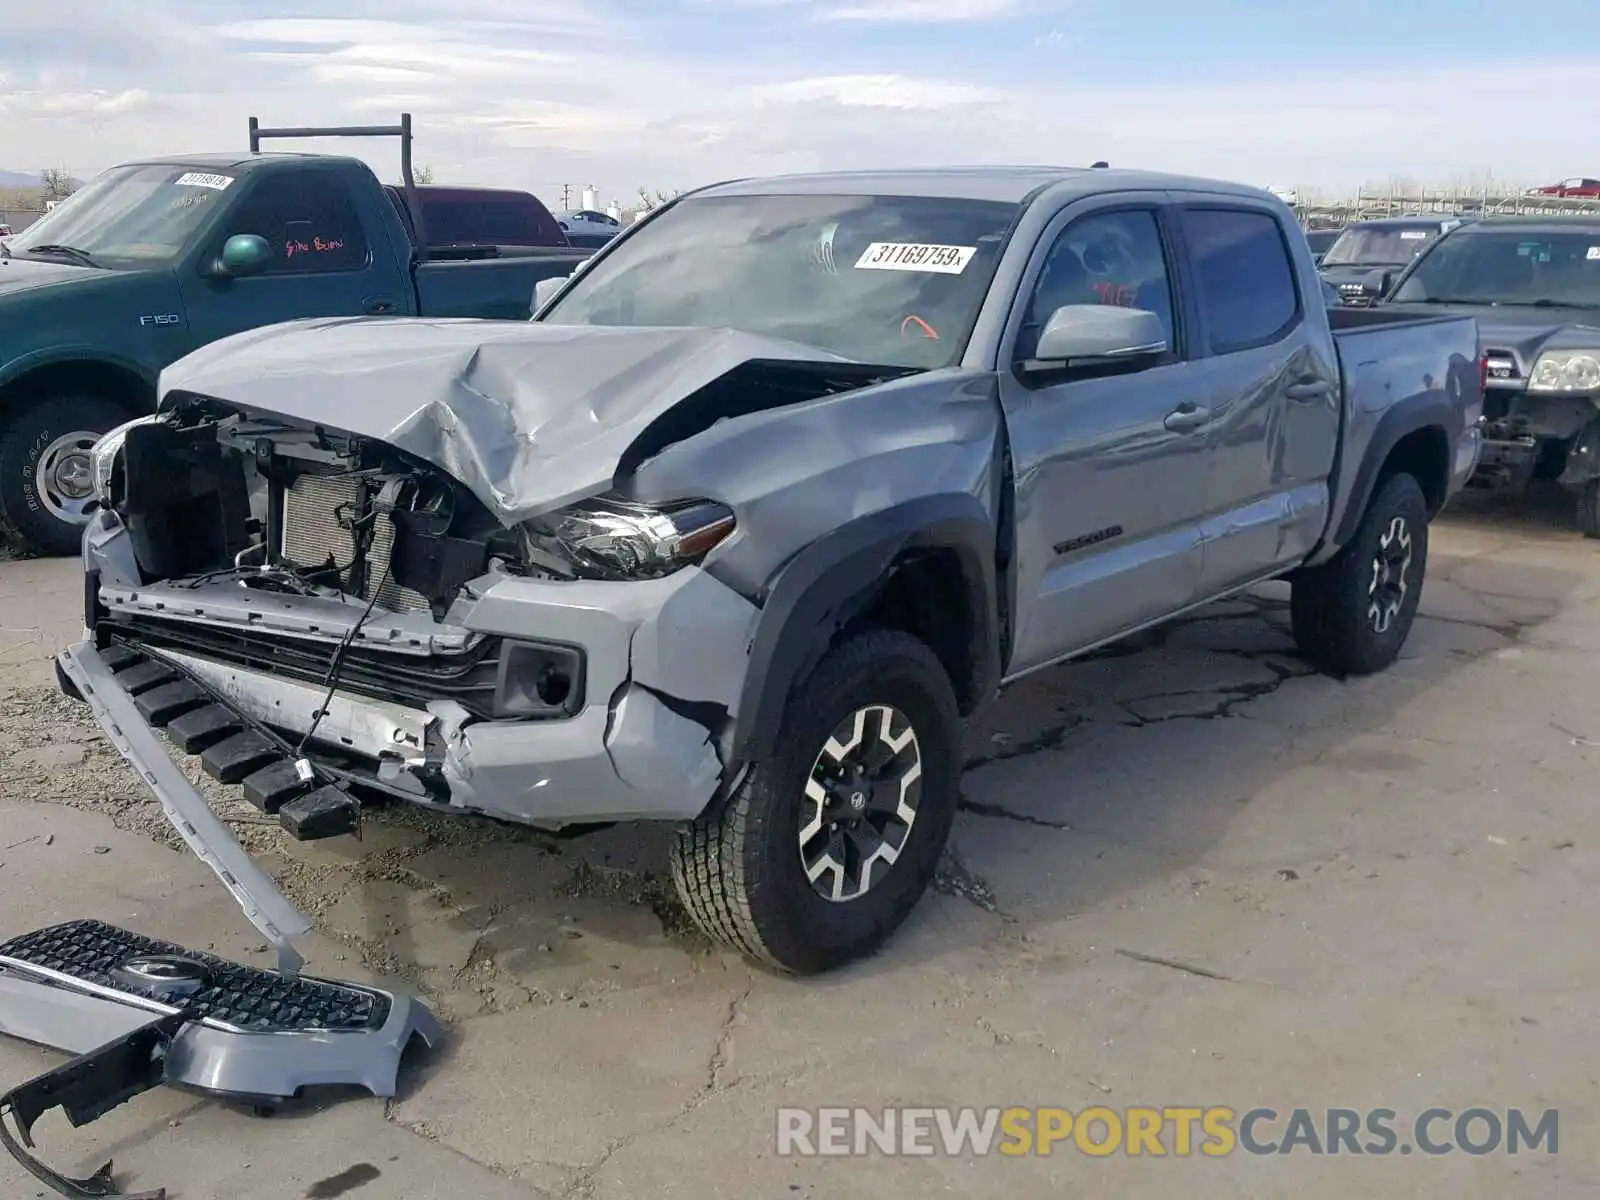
column 1097, row 332
column 1376, row 284
column 242, row 254
column 544, row 291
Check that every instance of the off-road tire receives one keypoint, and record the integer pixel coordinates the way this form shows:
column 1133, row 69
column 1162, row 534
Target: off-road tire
column 24, row 435
column 1588, row 509
column 1328, row 605
column 738, row 869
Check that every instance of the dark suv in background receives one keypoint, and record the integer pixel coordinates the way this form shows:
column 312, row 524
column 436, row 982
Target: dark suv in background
column 1385, row 244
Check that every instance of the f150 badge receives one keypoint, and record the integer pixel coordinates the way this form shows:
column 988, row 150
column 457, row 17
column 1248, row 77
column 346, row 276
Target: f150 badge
column 161, row 319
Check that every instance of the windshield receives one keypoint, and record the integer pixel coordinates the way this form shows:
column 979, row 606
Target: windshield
column 1379, row 247
column 1509, row 267
column 888, row 280
column 136, row 216
column 1321, row 239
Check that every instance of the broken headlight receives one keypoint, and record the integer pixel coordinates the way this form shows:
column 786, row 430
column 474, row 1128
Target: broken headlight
column 104, row 454
column 1566, row 371
column 616, row 539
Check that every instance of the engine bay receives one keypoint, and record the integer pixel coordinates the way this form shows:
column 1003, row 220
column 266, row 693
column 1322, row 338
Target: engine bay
column 208, row 494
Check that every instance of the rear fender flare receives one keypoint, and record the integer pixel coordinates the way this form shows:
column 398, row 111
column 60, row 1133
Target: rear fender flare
column 1398, row 423
column 834, row 579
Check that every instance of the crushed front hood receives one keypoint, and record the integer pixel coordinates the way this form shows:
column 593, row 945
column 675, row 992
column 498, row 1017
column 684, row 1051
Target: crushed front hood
column 527, row 416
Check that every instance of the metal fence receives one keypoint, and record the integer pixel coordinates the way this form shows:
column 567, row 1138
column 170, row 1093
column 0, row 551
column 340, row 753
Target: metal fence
column 1365, row 206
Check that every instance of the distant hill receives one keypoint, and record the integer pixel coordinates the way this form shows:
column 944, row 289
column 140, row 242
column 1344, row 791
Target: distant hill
column 19, row 179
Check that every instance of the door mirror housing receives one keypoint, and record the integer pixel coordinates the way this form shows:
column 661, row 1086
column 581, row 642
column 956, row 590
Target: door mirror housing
column 1376, row 284
column 1097, row 334
column 544, row 291
column 243, row 254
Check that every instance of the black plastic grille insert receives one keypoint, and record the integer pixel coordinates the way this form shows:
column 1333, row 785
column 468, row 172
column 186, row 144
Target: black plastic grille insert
column 250, row 998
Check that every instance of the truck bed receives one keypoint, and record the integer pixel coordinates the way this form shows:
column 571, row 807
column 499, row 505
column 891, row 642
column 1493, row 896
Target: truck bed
column 479, row 287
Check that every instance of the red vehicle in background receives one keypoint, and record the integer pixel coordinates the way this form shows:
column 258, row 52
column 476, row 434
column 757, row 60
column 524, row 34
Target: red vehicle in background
column 1576, row 188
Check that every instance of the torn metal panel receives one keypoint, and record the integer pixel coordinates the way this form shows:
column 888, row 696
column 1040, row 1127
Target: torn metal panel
column 526, row 416
column 264, row 905
column 659, row 753
column 843, row 456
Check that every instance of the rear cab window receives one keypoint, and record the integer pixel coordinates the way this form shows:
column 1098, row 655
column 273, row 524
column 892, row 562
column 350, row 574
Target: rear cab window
column 1244, row 276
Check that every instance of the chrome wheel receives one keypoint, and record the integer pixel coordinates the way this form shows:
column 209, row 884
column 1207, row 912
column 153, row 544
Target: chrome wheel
column 860, row 802
column 1390, row 567
column 62, row 476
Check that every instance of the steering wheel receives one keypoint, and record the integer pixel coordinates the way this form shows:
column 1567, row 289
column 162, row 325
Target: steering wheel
column 913, row 322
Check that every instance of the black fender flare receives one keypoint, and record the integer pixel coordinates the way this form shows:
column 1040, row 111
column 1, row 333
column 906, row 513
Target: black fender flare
column 1583, row 457
column 835, row 578
column 1399, row 422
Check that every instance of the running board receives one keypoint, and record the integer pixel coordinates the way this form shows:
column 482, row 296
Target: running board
column 139, row 1012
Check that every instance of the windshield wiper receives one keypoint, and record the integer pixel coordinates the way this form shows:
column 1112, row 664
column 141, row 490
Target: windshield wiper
column 72, row 252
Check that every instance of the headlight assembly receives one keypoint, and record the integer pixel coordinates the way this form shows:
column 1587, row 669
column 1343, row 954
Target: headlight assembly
column 105, row 453
column 1566, row 371
column 615, row 539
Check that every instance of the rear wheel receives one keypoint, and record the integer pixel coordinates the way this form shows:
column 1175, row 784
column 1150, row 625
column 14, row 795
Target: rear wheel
column 45, row 483
column 821, row 852
column 1352, row 615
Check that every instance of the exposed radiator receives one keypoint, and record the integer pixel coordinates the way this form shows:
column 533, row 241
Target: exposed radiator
column 316, row 509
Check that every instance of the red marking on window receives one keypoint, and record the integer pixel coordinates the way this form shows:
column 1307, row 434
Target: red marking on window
column 913, row 319
column 1124, row 295
column 315, row 246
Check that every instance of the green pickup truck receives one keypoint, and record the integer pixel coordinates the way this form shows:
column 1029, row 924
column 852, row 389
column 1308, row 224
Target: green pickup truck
column 153, row 259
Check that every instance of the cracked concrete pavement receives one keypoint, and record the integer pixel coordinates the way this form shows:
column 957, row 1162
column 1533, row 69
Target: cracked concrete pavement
column 1187, row 871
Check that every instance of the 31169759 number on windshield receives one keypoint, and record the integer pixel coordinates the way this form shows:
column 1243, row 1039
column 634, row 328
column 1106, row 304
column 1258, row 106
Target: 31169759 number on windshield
column 915, row 256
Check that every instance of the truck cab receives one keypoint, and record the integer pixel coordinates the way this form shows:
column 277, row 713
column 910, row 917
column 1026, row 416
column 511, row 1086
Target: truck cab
column 151, row 260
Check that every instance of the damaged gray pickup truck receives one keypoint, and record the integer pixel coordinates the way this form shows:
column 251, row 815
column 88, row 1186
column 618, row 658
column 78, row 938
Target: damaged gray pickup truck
column 759, row 506
column 767, row 498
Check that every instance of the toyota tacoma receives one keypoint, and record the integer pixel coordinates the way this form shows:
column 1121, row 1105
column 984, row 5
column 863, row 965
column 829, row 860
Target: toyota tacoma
column 734, row 533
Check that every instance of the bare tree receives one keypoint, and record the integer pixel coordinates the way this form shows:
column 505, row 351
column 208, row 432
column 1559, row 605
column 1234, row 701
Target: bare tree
column 57, row 183
column 423, row 174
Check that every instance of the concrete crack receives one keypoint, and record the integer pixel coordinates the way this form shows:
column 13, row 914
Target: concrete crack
column 1050, row 738
column 1174, row 964
column 1001, row 813
column 953, row 879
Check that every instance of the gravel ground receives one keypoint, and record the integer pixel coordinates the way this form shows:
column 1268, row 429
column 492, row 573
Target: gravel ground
column 1187, row 872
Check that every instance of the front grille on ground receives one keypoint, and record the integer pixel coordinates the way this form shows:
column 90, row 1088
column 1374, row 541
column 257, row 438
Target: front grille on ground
column 467, row 677
column 317, row 510
column 245, row 997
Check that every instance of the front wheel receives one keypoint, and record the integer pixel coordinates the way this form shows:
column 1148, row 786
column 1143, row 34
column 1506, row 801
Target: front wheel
column 822, row 851
column 45, row 483
column 1351, row 616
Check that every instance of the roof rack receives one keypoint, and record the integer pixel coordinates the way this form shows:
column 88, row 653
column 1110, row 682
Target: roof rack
column 258, row 134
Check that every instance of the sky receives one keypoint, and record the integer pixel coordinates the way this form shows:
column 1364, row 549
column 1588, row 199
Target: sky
column 675, row 93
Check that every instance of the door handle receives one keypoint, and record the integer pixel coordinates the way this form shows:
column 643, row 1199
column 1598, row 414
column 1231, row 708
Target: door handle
column 377, row 306
column 1186, row 417
column 1315, row 390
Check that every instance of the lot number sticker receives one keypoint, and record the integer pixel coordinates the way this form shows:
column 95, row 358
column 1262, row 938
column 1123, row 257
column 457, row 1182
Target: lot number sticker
column 1594, row 253
column 197, row 179
column 1413, row 235
column 915, row 256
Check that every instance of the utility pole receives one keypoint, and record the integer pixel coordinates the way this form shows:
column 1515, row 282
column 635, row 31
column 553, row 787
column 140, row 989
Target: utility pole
column 566, row 197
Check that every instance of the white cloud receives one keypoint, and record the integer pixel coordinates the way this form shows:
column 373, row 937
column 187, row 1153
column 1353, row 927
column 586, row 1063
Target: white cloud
column 533, row 93
column 877, row 91
column 924, row 12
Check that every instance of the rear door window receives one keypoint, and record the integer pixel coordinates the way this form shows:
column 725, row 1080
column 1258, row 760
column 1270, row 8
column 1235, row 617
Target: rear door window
column 1245, row 281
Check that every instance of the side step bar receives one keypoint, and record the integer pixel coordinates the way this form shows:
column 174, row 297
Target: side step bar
column 139, row 1012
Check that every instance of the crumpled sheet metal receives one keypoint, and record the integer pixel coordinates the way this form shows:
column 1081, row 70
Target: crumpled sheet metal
column 527, row 416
